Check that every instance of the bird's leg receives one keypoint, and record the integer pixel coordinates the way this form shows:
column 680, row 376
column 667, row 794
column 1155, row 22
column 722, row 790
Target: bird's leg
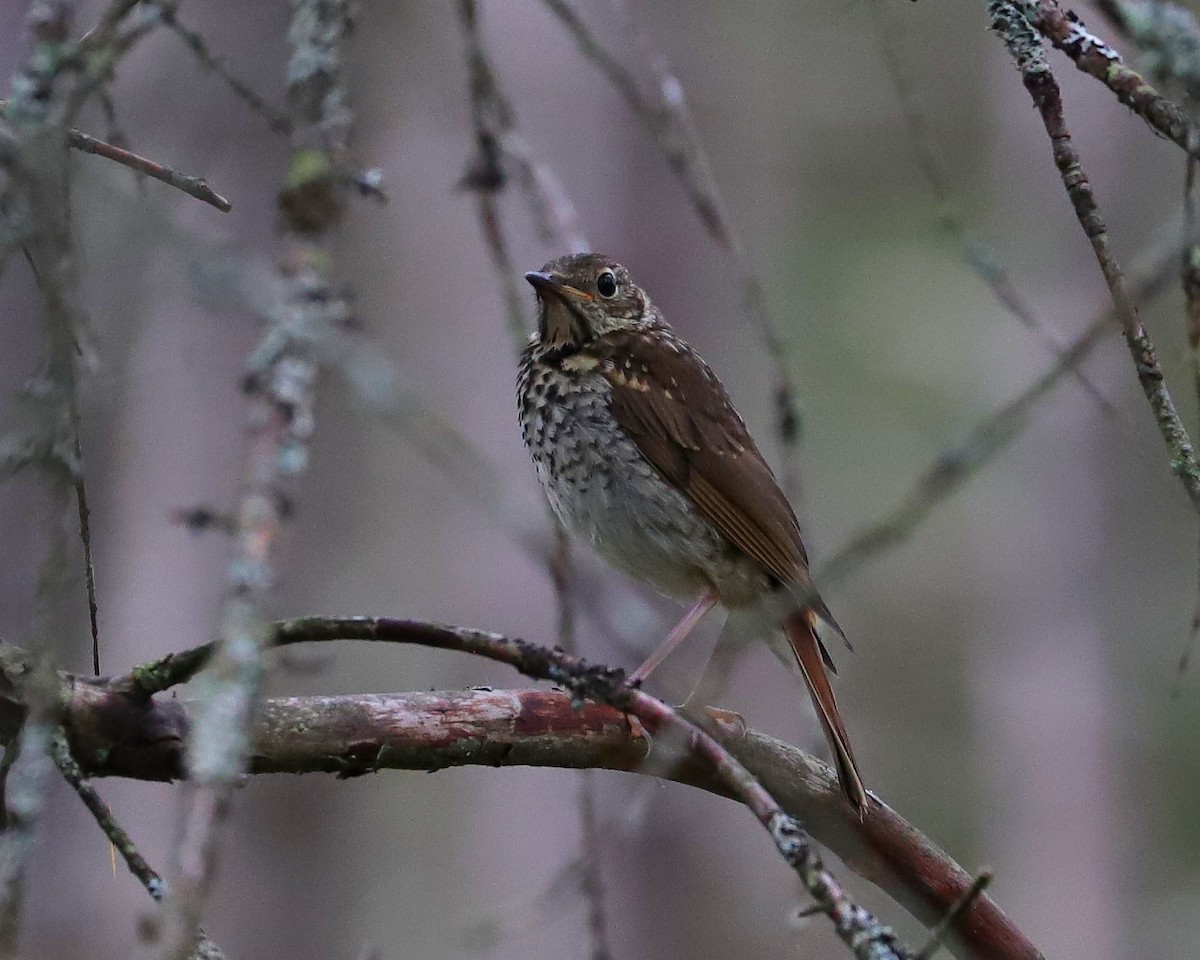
column 707, row 600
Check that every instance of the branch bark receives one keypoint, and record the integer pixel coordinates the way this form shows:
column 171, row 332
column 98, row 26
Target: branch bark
column 117, row 728
column 116, row 733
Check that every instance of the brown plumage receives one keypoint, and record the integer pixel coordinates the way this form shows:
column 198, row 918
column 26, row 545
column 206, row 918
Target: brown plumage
column 641, row 451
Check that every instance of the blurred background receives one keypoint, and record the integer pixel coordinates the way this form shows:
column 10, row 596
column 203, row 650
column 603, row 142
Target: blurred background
column 1014, row 691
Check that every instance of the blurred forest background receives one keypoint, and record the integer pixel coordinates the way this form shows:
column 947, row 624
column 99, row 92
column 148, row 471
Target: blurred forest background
column 1014, row 691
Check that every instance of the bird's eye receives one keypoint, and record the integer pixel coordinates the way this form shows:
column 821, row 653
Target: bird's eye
column 606, row 284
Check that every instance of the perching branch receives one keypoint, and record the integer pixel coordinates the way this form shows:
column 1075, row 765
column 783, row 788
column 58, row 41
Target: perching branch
column 117, row 729
column 859, row 929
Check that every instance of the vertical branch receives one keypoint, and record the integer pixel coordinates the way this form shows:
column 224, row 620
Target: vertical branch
column 491, row 118
column 35, row 124
column 279, row 385
column 1190, row 277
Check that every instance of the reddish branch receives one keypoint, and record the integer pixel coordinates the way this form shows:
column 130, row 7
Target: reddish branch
column 118, row 728
column 117, row 732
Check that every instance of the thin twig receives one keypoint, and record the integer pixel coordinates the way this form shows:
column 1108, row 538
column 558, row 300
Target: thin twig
column 939, row 933
column 85, row 536
column 1190, row 278
column 666, row 117
column 957, row 464
column 492, row 119
column 276, row 119
column 499, row 145
column 146, row 875
column 193, row 186
column 1025, row 46
column 983, row 259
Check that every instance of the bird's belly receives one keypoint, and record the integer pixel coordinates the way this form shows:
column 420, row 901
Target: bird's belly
column 603, row 490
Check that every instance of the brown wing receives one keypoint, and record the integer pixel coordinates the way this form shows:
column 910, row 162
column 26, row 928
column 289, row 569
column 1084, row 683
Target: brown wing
column 682, row 420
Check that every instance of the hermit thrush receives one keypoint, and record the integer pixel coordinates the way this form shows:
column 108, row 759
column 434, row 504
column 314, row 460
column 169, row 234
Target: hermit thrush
column 641, row 453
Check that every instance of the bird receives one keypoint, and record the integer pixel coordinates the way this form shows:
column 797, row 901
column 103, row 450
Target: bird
column 641, row 453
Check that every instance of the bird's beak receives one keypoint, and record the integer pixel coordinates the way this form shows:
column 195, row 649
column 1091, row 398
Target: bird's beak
column 549, row 283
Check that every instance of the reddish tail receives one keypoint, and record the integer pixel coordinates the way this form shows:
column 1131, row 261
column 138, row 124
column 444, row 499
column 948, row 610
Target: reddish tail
column 802, row 636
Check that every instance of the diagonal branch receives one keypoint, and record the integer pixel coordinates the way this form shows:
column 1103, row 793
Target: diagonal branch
column 1097, row 59
column 957, row 464
column 193, row 186
column 1025, row 47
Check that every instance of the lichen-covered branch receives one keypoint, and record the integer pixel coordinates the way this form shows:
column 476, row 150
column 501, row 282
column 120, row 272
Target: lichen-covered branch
column 279, row 385
column 862, row 933
column 34, row 124
column 1167, row 37
column 1025, row 47
column 1097, row 59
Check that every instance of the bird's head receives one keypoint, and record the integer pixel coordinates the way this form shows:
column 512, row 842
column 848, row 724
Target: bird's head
column 586, row 295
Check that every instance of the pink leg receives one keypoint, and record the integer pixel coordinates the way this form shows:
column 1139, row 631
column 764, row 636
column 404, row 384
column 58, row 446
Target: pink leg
column 708, row 600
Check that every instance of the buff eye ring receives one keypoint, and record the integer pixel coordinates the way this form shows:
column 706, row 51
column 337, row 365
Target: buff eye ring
column 606, row 285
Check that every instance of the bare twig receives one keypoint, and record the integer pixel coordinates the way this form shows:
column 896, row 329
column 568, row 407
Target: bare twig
column 146, row 875
column 85, row 538
column 1025, row 47
column 980, row 255
column 666, row 117
column 193, row 186
column 955, row 914
column 492, row 118
column 276, row 119
column 1190, row 278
